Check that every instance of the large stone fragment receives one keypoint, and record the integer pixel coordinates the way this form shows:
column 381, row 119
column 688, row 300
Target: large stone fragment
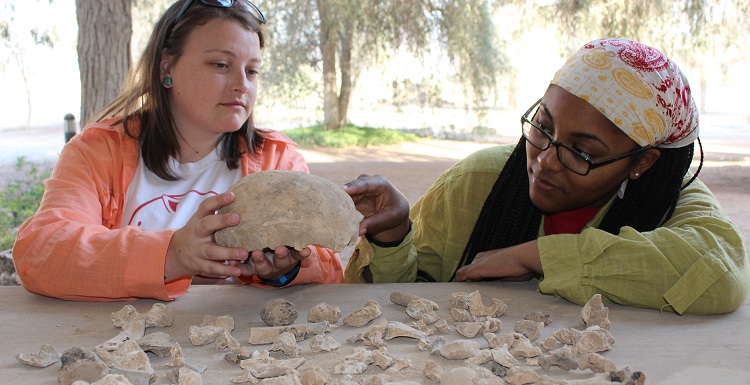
column 290, row 208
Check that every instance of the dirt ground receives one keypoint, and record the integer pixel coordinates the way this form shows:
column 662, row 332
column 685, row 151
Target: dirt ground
column 413, row 167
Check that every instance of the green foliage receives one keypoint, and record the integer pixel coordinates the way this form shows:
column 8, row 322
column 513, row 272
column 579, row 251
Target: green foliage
column 19, row 199
column 347, row 136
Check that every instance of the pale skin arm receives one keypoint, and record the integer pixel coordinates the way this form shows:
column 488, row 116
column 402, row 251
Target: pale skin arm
column 192, row 250
column 515, row 263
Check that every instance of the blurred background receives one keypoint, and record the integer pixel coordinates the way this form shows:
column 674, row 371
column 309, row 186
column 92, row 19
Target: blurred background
column 462, row 69
column 442, row 69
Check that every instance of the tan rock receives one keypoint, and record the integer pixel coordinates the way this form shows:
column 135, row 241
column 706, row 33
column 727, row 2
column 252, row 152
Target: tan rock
column 278, row 312
column 290, row 208
column 324, row 312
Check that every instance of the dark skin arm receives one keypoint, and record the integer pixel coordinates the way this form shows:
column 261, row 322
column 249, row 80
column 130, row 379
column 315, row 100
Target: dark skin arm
column 385, row 210
column 515, row 263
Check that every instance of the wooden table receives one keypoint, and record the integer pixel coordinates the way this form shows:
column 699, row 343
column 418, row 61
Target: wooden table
column 669, row 349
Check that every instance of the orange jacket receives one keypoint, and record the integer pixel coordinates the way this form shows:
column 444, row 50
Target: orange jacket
column 74, row 248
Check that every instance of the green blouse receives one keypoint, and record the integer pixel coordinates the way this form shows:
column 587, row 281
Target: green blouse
column 695, row 263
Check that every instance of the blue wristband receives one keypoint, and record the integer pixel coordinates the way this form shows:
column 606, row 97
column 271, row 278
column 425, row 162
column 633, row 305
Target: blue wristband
column 284, row 279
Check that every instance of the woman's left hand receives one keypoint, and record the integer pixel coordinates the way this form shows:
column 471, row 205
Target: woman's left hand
column 515, row 263
column 272, row 265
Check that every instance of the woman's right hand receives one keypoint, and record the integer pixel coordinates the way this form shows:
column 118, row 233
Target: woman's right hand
column 192, row 250
column 385, row 209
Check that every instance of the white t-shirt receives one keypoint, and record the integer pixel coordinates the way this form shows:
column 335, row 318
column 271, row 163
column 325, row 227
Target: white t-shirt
column 152, row 203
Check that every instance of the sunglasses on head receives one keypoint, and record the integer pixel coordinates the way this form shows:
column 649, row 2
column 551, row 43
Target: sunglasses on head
column 249, row 7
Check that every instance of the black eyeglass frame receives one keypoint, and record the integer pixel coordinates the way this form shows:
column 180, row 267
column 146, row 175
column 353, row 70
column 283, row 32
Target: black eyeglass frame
column 254, row 10
column 552, row 142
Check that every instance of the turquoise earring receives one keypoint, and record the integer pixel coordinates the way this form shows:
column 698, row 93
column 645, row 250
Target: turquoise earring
column 167, row 81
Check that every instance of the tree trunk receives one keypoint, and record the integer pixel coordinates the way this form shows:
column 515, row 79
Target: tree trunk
column 328, row 49
column 104, row 32
column 347, row 84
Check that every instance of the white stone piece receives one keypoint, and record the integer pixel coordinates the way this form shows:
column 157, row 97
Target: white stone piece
column 178, row 359
column 314, row 375
column 225, row 340
column 468, row 329
column 80, row 364
column 46, row 356
column 225, row 322
column 204, row 335
column 323, row 343
column 128, row 356
column 159, row 343
column 286, row 344
column 460, row 349
column 531, row 329
column 354, row 363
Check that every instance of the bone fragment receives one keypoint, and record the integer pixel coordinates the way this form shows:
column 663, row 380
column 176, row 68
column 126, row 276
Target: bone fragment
column 628, row 377
column 267, row 335
column 398, row 365
column 596, row 363
column 443, row 326
column 594, row 340
column 459, row 349
column 595, row 313
column 468, row 329
column 324, row 312
column 383, row 358
column 354, row 363
column 563, row 358
column 422, row 309
column 433, row 370
column 225, row 322
column 403, row 299
column 539, row 317
column 365, row 315
column 314, row 375
column 502, row 356
column 80, row 364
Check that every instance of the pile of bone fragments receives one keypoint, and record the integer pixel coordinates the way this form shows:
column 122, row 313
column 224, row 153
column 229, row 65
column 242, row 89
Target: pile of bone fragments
column 479, row 355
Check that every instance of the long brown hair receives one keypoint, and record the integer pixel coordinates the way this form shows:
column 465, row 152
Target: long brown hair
column 144, row 100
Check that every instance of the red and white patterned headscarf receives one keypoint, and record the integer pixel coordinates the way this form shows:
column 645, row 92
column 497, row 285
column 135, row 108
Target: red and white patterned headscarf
column 636, row 87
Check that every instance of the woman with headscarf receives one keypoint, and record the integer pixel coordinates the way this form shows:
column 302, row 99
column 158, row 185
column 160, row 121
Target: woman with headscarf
column 596, row 197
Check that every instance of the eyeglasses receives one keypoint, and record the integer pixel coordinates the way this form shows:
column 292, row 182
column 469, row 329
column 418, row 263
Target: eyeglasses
column 573, row 160
column 250, row 7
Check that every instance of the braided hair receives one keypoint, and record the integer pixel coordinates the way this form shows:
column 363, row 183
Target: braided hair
column 509, row 218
